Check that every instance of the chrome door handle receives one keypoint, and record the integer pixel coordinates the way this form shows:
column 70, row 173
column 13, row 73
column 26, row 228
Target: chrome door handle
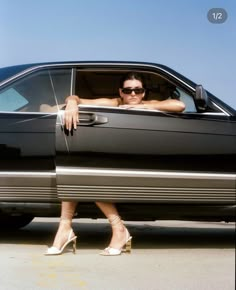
column 90, row 119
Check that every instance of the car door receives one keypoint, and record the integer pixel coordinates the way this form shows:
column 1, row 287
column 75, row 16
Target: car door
column 146, row 156
column 27, row 135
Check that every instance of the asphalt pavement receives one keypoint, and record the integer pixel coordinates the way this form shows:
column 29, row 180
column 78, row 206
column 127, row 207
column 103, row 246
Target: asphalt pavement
column 166, row 255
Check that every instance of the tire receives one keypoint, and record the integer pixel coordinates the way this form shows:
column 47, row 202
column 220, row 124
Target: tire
column 8, row 222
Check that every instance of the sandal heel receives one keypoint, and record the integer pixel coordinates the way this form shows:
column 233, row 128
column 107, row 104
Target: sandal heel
column 128, row 245
column 74, row 246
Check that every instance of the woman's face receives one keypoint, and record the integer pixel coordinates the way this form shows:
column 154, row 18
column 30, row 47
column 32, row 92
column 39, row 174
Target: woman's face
column 132, row 92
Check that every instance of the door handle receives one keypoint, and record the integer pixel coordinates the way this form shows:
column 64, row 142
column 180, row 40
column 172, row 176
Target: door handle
column 91, row 119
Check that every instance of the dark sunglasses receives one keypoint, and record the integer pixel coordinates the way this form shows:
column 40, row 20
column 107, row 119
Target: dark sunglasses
column 129, row 91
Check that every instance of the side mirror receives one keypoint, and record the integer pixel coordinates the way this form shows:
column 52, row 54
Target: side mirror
column 201, row 98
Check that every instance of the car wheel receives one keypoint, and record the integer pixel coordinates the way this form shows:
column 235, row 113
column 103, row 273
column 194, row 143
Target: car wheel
column 8, row 222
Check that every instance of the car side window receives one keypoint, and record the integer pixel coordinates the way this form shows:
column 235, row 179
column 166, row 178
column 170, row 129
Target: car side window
column 29, row 93
column 96, row 84
column 12, row 100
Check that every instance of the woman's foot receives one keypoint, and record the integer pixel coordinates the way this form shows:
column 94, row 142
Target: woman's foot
column 121, row 239
column 64, row 236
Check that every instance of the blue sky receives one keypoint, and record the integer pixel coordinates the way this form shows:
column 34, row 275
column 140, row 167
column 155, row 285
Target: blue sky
column 176, row 33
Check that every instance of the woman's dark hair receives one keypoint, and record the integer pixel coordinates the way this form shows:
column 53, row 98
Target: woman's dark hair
column 131, row 76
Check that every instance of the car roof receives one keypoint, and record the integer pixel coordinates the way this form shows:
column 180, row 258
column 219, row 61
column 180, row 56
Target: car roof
column 10, row 71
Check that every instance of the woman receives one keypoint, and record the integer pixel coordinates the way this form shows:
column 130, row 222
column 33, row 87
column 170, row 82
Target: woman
column 132, row 92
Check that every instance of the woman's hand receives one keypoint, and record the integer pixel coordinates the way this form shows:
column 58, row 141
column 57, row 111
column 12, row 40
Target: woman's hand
column 71, row 115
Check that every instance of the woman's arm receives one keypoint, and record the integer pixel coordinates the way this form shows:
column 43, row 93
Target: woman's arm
column 169, row 105
column 166, row 105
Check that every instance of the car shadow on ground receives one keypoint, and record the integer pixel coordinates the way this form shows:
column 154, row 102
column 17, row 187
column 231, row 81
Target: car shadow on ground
column 146, row 235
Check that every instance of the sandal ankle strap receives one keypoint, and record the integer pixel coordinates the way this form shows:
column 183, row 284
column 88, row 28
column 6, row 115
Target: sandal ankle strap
column 65, row 221
column 115, row 220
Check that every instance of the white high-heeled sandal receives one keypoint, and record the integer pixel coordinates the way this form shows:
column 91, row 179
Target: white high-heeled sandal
column 52, row 251
column 110, row 251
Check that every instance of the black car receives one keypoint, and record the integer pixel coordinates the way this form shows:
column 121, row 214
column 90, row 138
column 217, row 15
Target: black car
column 152, row 164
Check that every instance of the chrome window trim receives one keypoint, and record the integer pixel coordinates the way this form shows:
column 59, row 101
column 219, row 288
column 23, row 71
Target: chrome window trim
column 219, row 108
column 28, row 113
column 147, row 110
column 214, row 113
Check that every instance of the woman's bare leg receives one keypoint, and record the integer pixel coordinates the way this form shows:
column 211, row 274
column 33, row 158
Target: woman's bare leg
column 119, row 231
column 65, row 225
